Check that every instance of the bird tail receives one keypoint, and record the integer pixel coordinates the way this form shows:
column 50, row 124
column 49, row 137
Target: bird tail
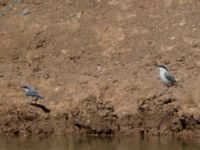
column 178, row 84
column 40, row 97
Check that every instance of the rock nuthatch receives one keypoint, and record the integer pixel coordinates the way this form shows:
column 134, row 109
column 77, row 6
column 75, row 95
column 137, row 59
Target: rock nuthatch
column 30, row 92
column 166, row 77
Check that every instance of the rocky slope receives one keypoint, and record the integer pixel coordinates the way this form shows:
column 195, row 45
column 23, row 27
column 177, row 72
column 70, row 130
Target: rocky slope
column 93, row 60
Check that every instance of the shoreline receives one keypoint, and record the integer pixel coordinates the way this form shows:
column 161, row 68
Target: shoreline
column 156, row 116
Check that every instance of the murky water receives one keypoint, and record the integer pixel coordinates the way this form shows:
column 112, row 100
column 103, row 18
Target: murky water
column 96, row 143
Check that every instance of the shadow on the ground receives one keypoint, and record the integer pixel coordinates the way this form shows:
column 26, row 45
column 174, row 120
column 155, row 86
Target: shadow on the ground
column 44, row 108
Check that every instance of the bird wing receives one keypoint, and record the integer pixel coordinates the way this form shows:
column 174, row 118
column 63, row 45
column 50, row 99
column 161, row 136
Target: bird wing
column 32, row 93
column 35, row 94
column 170, row 77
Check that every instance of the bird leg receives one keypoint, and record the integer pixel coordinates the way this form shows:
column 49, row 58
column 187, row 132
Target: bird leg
column 34, row 100
column 30, row 100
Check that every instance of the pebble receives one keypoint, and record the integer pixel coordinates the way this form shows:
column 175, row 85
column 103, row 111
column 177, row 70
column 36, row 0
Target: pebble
column 9, row 7
column 2, row 14
column 17, row 1
column 25, row 11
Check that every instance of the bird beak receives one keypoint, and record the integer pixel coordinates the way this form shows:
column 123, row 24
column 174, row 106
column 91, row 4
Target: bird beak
column 22, row 87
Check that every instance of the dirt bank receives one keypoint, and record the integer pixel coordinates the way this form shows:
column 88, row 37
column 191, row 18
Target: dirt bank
column 93, row 60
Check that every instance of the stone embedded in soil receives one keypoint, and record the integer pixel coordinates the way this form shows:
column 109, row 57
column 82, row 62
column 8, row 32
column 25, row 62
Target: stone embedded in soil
column 17, row 1
column 25, row 11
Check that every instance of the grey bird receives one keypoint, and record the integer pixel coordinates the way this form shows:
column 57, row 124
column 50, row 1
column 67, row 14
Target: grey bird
column 30, row 92
column 166, row 77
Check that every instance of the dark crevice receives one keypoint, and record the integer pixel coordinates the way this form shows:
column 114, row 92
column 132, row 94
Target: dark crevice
column 183, row 123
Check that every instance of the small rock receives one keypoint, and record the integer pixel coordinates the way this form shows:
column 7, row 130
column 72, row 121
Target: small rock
column 17, row 1
column 8, row 8
column 25, row 11
column 180, row 59
column 46, row 76
column 194, row 46
column 2, row 14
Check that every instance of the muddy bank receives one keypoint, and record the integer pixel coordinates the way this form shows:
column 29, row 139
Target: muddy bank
column 93, row 61
column 156, row 115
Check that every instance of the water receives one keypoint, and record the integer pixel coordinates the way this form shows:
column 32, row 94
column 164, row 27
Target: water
column 96, row 143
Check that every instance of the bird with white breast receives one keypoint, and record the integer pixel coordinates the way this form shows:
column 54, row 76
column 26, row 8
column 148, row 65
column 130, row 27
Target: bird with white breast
column 166, row 77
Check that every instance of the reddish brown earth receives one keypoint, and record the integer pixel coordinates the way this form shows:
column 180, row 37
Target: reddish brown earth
column 93, row 60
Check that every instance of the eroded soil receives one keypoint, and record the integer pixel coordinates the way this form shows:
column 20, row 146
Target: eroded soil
column 93, row 60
